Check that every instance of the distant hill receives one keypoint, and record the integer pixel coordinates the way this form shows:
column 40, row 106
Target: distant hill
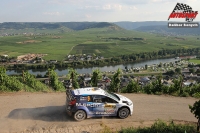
column 133, row 25
column 70, row 25
column 159, row 27
column 19, row 25
column 163, row 29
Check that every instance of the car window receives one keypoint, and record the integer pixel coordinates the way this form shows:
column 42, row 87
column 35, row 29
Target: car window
column 112, row 95
column 109, row 100
column 103, row 99
column 97, row 98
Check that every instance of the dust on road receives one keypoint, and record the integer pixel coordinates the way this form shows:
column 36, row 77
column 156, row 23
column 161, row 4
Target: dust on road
column 46, row 112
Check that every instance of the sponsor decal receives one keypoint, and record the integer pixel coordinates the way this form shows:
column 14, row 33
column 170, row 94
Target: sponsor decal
column 110, row 106
column 183, row 11
column 88, row 104
column 88, row 98
column 83, row 98
column 110, row 110
column 92, row 89
column 103, row 113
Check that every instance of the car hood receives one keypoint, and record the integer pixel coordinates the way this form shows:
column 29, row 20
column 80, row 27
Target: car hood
column 124, row 99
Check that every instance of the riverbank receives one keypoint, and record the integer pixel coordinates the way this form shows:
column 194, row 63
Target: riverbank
column 107, row 69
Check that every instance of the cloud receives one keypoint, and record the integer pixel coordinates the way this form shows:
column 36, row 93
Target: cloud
column 88, row 16
column 97, row 3
column 156, row 0
column 53, row 13
column 133, row 7
column 112, row 7
column 117, row 6
column 91, row 7
column 107, row 7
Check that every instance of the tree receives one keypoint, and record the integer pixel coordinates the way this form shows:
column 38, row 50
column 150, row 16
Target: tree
column 191, row 70
column 195, row 109
column 2, row 73
column 146, row 66
column 96, row 75
column 160, row 65
column 170, row 72
column 73, row 76
column 132, row 87
column 115, row 83
column 178, row 85
column 178, row 70
column 54, row 82
column 181, row 85
column 157, row 85
column 32, row 82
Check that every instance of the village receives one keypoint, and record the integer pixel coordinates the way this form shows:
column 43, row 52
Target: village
column 31, row 58
column 144, row 75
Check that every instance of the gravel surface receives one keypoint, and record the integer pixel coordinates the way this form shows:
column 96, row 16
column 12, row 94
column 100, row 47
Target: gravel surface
column 45, row 113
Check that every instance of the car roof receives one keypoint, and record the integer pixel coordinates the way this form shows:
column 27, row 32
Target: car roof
column 89, row 91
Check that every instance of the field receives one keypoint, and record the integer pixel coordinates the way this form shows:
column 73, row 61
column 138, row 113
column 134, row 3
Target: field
column 59, row 43
column 197, row 61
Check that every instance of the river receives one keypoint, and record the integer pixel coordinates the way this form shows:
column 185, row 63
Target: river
column 62, row 72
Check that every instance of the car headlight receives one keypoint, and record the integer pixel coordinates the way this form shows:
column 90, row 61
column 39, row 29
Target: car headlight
column 128, row 103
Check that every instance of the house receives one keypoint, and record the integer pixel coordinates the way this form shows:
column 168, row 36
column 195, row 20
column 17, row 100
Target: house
column 87, row 79
column 89, row 57
column 53, row 61
column 82, row 58
column 187, row 83
column 167, row 82
column 5, row 56
column 144, row 80
column 46, row 81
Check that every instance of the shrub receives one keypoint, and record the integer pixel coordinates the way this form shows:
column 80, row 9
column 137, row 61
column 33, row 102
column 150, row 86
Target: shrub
column 162, row 127
column 196, row 95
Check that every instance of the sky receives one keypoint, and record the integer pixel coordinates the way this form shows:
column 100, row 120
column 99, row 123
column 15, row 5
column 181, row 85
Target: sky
column 90, row 10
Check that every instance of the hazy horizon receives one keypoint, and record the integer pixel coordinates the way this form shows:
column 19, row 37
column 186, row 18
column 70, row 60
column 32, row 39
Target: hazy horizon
column 90, row 10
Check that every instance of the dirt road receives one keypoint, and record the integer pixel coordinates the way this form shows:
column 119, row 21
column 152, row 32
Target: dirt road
column 45, row 113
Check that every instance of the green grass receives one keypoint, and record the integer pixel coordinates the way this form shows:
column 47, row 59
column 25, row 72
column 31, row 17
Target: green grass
column 159, row 126
column 89, row 41
column 197, row 61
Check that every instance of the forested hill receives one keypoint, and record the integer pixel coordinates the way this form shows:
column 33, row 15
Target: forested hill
column 163, row 29
column 133, row 25
column 70, row 25
column 159, row 27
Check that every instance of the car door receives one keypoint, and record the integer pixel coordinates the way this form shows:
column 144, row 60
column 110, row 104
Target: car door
column 98, row 105
column 110, row 106
column 86, row 102
column 104, row 106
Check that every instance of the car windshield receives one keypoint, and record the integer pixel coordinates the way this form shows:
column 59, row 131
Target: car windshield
column 112, row 95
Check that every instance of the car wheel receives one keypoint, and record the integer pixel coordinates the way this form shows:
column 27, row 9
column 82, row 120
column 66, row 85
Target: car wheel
column 123, row 113
column 80, row 115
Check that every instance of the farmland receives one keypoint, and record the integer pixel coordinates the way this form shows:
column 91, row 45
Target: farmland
column 59, row 43
column 197, row 61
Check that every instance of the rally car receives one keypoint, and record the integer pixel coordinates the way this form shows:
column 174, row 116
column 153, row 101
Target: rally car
column 89, row 102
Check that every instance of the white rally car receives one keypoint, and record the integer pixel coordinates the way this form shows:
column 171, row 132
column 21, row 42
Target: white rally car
column 95, row 102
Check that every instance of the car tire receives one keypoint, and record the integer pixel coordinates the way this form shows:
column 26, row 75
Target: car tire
column 79, row 115
column 123, row 113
